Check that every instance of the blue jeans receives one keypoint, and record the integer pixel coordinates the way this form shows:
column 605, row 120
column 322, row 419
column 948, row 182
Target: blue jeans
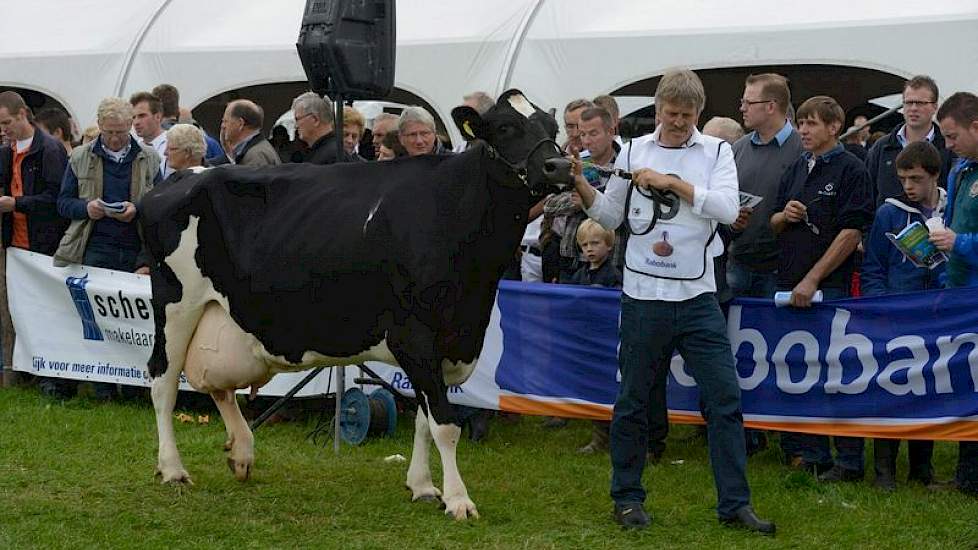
column 967, row 474
column 651, row 329
column 815, row 449
column 745, row 283
column 119, row 259
column 110, row 257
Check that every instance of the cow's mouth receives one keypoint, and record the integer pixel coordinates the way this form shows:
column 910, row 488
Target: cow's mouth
column 558, row 172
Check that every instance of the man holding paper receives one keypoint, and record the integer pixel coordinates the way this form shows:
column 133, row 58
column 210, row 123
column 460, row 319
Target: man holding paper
column 958, row 117
column 114, row 168
column 824, row 204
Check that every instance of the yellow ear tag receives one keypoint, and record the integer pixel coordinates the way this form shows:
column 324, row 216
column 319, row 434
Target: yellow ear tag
column 468, row 129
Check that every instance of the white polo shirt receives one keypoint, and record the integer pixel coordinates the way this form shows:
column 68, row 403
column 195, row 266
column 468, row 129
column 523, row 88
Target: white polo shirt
column 715, row 197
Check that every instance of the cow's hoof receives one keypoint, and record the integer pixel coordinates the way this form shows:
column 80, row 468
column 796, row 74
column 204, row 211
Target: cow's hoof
column 240, row 468
column 425, row 494
column 461, row 508
column 175, row 476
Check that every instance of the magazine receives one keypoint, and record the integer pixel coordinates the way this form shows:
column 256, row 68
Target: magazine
column 914, row 243
column 748, row 200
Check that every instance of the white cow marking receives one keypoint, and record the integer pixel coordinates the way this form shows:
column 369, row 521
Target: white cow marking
column 457, row 373
column 521, row 105
column 370, row 216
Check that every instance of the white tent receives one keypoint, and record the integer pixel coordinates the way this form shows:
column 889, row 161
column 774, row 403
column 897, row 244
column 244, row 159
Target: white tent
column 79, row 51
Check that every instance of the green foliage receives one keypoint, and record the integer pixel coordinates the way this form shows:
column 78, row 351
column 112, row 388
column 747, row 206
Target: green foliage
column 80, row 475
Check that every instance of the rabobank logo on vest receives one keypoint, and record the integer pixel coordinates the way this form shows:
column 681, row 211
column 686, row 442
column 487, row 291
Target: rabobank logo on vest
column 112, row 316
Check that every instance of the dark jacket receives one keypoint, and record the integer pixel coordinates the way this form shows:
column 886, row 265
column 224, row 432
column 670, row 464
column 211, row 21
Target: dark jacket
column 885, row 269
column 857, row 149
column 41, row 173
column 606, row 275
column 881, row 163
column 838, row 196
column 324, row 151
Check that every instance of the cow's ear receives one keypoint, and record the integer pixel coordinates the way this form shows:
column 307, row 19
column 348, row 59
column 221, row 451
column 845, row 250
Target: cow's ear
column 469, row 123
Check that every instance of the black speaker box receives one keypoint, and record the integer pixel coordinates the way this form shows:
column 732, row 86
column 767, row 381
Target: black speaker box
column 347, row 47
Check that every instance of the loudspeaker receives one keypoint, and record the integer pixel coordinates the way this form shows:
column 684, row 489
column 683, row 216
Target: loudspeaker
column 347, row 47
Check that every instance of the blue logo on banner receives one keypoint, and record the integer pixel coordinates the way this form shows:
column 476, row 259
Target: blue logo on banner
column 76, row 287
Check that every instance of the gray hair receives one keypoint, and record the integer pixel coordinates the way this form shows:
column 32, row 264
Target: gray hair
column 114, row 108
column 681, row 87
column 727, row 129
column 312, row 103
column 188, row 138
column 384, row 116
column 415, row 114
column 481, row 100
column 578, row 104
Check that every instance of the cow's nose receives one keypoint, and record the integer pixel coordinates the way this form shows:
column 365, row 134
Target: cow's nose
column 558, row 170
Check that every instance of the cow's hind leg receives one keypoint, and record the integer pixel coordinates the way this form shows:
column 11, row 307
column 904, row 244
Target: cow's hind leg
column 242, row 442
column 220, row 358
column 414, row 348
column 164, row 393
column 419, row 473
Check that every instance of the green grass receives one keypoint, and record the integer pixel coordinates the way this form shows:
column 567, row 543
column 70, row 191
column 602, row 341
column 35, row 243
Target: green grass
column 80, row 475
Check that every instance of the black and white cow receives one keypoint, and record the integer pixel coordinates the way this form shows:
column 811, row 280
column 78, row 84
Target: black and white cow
column 266, row 270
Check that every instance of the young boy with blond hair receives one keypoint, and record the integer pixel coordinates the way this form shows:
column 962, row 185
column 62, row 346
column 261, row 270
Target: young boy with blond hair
column 596, row 243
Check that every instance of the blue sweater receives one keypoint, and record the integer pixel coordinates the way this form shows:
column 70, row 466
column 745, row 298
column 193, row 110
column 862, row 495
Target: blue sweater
column 885, row 269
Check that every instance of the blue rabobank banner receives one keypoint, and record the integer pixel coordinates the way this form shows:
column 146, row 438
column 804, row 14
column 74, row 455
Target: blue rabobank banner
column 903, row 365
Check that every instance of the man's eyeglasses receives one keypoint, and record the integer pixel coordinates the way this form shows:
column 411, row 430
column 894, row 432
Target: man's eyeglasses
column 298, row 118
column 916, row 103
column 748, row 102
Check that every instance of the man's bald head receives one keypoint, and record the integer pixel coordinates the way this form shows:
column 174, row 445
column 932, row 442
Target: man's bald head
column 248, row 111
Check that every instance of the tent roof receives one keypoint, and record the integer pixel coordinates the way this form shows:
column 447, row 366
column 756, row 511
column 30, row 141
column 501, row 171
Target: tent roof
column 554, row 50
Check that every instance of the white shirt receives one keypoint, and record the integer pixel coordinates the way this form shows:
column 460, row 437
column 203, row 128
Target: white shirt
column 715, row 199
column 159, row 145
column 24, row 144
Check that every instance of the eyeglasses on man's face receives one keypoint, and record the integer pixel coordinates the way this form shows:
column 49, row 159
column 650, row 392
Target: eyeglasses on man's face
column 917, row 103
column 749, row 102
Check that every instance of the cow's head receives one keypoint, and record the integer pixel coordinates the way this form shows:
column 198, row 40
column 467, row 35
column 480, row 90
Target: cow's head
column 520, row 135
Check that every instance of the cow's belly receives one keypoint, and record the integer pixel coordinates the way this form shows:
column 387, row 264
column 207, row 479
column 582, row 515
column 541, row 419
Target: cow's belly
column 311, row 359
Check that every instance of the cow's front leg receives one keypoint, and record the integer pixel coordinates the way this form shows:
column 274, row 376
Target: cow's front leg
column 242, row 455
column 446, row 435
column 164, row 393
column 419, row 473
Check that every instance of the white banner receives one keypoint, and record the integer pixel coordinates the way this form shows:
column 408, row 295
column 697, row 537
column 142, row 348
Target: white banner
column 89, row 323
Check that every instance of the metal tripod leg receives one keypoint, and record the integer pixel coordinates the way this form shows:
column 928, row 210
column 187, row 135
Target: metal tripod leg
column 284, row 399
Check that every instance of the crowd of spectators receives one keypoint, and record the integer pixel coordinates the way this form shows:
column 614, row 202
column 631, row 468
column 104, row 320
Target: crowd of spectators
column 825, row 206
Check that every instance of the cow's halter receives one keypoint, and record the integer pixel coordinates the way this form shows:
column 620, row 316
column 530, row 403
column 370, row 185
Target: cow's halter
column 519, row 168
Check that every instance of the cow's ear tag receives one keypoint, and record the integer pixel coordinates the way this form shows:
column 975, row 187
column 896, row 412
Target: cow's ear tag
column 468, row 129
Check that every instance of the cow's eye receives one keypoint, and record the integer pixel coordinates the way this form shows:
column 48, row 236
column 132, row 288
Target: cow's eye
column 506, row 129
